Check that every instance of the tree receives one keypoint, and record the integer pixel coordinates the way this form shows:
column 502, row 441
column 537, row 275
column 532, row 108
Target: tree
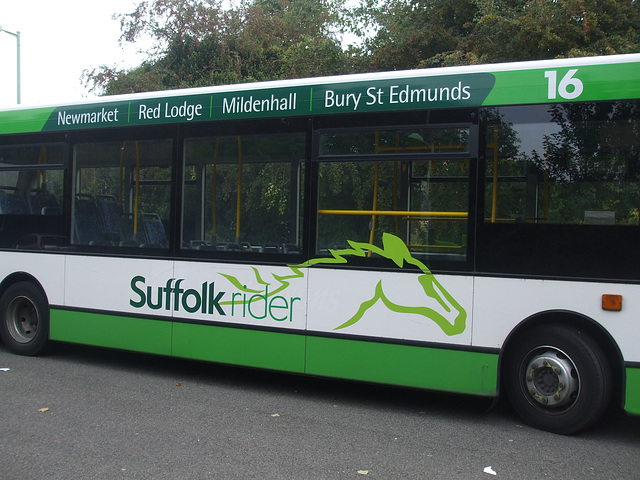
column 426, row 33
column 198, row 43
column 408, row 32
column 542, row 29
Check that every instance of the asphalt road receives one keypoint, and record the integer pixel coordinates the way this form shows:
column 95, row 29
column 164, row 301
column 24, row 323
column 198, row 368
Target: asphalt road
column 82, row 413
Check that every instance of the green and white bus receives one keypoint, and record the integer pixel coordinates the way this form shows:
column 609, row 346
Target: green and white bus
column 473, row 230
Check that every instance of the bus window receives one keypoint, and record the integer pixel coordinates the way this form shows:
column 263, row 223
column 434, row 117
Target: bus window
column 122, row 194
column 418, row 190
column 31, row 183
column 243, row 193
column 566, row 164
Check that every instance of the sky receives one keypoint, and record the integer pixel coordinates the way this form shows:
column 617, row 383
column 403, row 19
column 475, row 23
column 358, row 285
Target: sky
column 58, row 40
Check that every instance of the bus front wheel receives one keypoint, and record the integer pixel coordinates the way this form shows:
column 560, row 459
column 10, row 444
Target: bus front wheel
column 24, row 320
column 557, row 378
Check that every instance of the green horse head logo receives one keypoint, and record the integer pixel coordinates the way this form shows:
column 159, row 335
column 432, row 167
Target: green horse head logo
column 393, row 249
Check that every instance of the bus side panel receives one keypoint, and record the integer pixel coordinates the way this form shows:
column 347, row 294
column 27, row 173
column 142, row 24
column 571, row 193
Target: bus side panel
column 502, row 303
column 256, row 302
column 632, row 391
column 456, row 371
column 391, row 305
column 267, row 297
column 112, row 302
column 240, row 346
column 48, row 270
column 138, row 286
column 111, row 331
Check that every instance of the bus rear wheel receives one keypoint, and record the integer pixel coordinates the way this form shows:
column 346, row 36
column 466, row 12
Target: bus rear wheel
column 557, row 378
column 24, row 319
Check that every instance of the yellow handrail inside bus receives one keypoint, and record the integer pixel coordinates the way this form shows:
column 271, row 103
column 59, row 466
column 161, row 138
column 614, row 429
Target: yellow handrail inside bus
column 395, row 184
column 395, row 213
column 395, row 196
column 376, row 176
column 375, row 203
column 42, row 160
column 494, row 199
column 239, row 198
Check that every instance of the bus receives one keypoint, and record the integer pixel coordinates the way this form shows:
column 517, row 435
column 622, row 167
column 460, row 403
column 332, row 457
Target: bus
column 472, row 230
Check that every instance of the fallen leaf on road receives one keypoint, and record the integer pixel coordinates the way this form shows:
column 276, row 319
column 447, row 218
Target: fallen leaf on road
column 275, row 414
column 363, row 472
column 42, row 410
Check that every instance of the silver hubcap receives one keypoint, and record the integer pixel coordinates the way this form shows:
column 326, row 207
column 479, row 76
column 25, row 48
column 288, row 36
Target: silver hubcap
column 552, row 379
column 22, row 319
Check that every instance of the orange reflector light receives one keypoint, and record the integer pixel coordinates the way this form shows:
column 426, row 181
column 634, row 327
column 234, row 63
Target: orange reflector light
column 612, row 302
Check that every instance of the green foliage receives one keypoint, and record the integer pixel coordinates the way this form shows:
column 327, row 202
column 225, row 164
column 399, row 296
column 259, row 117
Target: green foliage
column 197, row 43
column 410, row 33
column 432, row 33
column 509, row 31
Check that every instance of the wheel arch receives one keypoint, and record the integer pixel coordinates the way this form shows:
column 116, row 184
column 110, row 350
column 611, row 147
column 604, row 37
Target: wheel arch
column 17, row 277
column 577, row 320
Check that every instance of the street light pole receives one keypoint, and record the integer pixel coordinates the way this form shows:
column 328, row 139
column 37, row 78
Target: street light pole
column 17, row 35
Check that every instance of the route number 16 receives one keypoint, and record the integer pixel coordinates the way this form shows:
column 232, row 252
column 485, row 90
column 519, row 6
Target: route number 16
column 569, row 87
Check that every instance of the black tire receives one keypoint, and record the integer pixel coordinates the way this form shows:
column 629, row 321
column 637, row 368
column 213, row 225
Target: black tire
column 24, row 319
column 557, row 378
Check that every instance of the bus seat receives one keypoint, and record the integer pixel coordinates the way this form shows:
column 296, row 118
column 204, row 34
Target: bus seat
column 202, row 245
column 39, row 199
column 51, row 211
column 88, row 227
column 12, row 203
column 238, row 247
column 154, row 229
column 270, row 248
column 291, row 248
column 128, row 237
column 110, row 212
column 37, row 241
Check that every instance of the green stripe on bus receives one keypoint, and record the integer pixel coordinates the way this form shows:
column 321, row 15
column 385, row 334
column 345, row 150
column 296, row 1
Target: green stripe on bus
column 599, row 82
column 442, row 88
column 18, row 121
column 454, row 371
column 112, row 331
column 239, row 346
column 632, row 391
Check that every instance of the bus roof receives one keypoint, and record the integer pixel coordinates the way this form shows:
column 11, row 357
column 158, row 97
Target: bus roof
column 577, row 79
